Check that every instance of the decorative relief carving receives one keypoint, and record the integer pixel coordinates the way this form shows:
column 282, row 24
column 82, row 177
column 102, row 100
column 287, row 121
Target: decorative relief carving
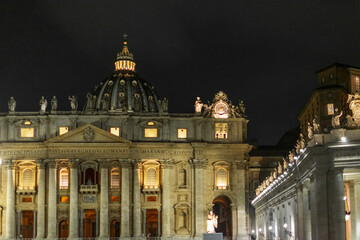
column 51, row 163
column 241, row 164
column 137, row 163
column 8, row 164
column 74, row 163
column 199, row 163
column 125, row 163
column 89, row 198
column 40, row 163
column 89, row 134
column 104, row 163
column 167, row 163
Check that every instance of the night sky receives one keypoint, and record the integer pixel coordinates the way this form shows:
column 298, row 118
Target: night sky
column 263, row 52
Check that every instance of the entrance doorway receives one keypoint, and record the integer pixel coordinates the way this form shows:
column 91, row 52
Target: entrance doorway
column 222, row 209
column 90, row 223
column 64, row 229
column 27, row 224
column 152, row 223
column 115, row 228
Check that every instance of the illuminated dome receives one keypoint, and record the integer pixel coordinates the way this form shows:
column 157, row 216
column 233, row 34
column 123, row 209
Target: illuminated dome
column 124, row 90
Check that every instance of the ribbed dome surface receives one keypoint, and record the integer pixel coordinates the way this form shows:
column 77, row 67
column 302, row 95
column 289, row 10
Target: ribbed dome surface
column 125, row 91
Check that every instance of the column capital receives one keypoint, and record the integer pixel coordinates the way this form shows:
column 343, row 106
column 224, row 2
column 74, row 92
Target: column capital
column 40, row 163
column 167, row 163
column 8, row 164
column 103, row 163
column 199, row 163
column 125, row 163
column 137, row 163
column 51, row 163
column 241, row 164
column 73, row 163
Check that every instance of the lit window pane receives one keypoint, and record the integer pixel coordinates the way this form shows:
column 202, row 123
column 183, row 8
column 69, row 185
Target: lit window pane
column 151, row 132
column 221, row 130
column 28, row 178
column 151, row 124
column 115, row 131
column 63, row 130
column 182, row 133
column 64, row 178
column 27, row 132
column 330, row 109
column 115, row 178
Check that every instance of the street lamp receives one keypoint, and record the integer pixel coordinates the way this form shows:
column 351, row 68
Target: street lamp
column 286, row 231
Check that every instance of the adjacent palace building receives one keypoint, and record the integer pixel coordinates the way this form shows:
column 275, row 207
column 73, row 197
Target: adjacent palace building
column 123, row 166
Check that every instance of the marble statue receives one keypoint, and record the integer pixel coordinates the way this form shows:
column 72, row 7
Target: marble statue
column 302, row 141
column 279, row 168
column 73, row 103
column 354, row 105
column 297, row 147
column 285, row 163
column 198, row 105
column 137, row 102
column 105, row 103
column 291, row 157
column 89, row 101
column 335, row 121
column 54, row 103
column 310, row 131
column 12, row 104
column 43, row 104
column 165, row 105
column 316, row 125
column 211, row 222
column 242, row 107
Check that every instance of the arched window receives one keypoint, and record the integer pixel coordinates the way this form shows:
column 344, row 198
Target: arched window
column 151, row 177
column 221, row 178
column 115, row 178
column 28, row 180
column 64, row 178
column 89, row 176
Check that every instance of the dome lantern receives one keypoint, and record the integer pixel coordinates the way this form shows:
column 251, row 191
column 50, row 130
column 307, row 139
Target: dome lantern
column 125, row 59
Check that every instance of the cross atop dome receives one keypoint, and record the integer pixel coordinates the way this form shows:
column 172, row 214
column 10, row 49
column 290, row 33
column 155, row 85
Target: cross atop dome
column 125, row 59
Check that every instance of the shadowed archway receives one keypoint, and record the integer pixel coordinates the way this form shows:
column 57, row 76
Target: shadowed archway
column 222, row 209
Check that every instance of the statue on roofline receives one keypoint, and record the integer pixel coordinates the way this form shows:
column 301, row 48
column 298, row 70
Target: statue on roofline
column 310, row 131
column 12, row 104
column 198, row 105
column 54, row 103
column 73, row 103
column 316, row 124
column 43, row 104
column 335, row 121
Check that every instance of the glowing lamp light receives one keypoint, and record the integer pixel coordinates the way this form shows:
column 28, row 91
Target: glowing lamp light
column 343, row 139
column 0, row 161
column 270, row 228
column 285, row 225
column 345, row 198
column 260, row 229
column 253, row 231
column 347, row 216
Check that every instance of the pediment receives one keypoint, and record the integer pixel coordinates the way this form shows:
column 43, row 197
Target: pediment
column 88, row 134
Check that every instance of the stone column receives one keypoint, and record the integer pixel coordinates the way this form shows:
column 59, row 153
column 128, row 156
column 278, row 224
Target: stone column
column 10, row 200
column 352, row 204
column 166, row 165
column 234, row 219
column 306, row 211
column 356, row 210
column 200, row 217
column 125, row 198
column 159, row 223
column 35, row 224
column 136, row 199
column 19, row 223
column 240, row 180
column 319, row 205
column 336, row 205
column 74, row 206
column 104, row 199
column 41, row 200
column 82, row 215
column 300, row 210
column 52, row 200
column 97, row 223
column 144, row 222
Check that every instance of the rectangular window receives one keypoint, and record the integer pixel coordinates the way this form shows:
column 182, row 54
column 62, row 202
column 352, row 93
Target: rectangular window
column 221, row 130
column 27, row 199
column 151, row 199
column 150, row 132
column 63, row 130
column 115, row 199
column 64, row 199
column 27, row 132
column 330, row 109
column 355, row 83
column 182, row 133
column 115, row 131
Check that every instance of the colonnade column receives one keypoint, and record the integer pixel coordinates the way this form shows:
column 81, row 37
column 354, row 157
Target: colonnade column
column 41, row 200
column 240, row 181
column 74, row 206
column 306, row 211
column 125, row 198
column 356, row 207
column 52, row 199
column 199, row 165
column 166, row 165
column 10, row 200
column 104, row 199
column 336, row 207
column 136, row 199
column 234, row 219
column 300, row 222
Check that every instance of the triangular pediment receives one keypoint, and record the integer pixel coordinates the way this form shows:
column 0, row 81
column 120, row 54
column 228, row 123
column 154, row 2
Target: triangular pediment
column 88, row 134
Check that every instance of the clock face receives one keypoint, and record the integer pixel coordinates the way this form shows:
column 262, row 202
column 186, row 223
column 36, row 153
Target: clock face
column 221, row 110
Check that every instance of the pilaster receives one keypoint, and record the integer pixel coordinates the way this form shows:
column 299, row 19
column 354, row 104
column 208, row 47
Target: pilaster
column 74, row 205
column 104, row 198
column 10, row 200
column 125, row 198
column 52, row 225
column 41, row 200
column 166, row 165
column 136, row 199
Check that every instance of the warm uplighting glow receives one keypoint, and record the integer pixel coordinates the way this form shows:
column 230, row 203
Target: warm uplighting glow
column 27, row 123
column 221, row 178
column 0, row 161
column 125, row 65
column 182, row 133
column 115, row 131
column 64, row 179
column 150, row 123
column 27, row 132
column 150, row 132
column 221, row 130
column 347, row 216
column 63, row 130
column 64, row 199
